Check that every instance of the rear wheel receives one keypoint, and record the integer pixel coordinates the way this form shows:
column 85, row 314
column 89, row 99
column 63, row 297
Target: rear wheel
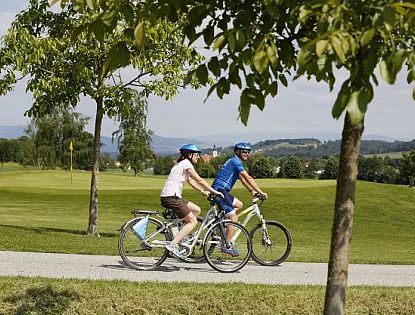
column 272, row 245
column 143, row 254
column 216, row 251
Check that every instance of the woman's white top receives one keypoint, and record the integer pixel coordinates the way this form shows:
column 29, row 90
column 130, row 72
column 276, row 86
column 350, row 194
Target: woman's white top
column 177, row 177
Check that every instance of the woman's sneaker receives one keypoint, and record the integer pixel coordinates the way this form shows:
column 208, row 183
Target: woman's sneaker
column 230, row 251
column 174, row 249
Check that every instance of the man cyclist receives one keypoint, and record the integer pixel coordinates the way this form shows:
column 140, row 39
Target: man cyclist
column 230, row 171
column 171, row 195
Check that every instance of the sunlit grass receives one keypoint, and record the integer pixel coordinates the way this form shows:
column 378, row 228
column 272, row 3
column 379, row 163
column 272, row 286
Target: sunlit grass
column 46, row 296
column 42, row 211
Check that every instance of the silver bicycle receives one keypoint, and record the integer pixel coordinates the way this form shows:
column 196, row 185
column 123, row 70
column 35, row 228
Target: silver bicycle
column 148, row 251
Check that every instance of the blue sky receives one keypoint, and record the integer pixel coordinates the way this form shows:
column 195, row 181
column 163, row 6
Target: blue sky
column 304, row 108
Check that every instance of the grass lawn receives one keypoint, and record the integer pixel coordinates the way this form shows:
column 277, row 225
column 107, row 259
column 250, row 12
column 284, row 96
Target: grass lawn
column 46, row 296
column 42, row 211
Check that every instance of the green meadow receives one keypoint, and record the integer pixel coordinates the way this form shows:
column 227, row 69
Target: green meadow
column 42, row 211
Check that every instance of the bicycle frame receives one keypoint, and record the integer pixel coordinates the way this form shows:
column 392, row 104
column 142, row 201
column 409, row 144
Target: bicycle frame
column 252, row 211
column 210, row 218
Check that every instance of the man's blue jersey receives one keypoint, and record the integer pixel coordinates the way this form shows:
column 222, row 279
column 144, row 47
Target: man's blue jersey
column 228, row 174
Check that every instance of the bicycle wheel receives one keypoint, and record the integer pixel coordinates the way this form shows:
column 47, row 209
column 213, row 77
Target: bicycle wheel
column 272, row 245
column 143, row 254
column 215, row 242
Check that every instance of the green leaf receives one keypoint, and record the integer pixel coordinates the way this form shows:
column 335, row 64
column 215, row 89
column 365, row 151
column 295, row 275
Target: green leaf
column 91, row 4
column 367, row 37
column 244, row 109
column 384, row 72
column 52, row 2
column 231, row 42
column 338, row 48
column 283, row 80
column 118, row 56
column 321, row 46
column 214, row 66
column 260, row 61
column 413, row 93
column 97, row 28
column 202, row 74
column 139, row 33
column 389, row 15
column 342, row 100
column 240, row 38
column 407, row 4
column 410, row 77
column 235, row 79
column 208, row 34
column 108, row 17
column 78, row 5
column 219, row 42
column 273, row 88
column 303, row 57
column 304, row 13
column 254, row 96
column 211, row 89
column 353, row 108
column 222, row 87
column 272, row 57
column 391, row 65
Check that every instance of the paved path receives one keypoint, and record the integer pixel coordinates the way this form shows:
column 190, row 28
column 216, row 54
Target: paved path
column 111, row 267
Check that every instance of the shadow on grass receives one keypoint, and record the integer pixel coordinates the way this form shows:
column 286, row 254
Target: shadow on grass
column 43, row 300
column 46, row 230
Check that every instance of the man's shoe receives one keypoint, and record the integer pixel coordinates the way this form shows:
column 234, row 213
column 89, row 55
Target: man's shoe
column 230, row 251
column 174, row 249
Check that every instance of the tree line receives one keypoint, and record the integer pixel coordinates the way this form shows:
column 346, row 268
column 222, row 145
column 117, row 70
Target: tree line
column 373, row 169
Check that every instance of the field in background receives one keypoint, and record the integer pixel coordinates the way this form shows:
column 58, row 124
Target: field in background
column 42, row 211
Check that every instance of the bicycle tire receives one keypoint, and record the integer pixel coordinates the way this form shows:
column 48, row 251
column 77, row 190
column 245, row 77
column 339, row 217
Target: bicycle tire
column 223, row 262
column 271, row 254
column 133, row 251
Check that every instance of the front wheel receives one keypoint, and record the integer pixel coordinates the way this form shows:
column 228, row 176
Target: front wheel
column 270, row 245
column 225, row 257
column 147, row 253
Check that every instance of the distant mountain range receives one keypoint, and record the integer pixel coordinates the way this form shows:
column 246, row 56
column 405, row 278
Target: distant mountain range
column 161, row 145
column 166, row 145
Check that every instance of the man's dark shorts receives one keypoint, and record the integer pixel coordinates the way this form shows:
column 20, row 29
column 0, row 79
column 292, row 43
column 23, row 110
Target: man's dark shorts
column 178, row 205
column 227, row 203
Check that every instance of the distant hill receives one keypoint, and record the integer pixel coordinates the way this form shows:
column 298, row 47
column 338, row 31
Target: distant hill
column 303, row 146
column 161, row 145
column 311, row 148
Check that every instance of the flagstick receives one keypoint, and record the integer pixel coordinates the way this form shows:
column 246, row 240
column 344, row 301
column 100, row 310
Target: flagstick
column 71, row 149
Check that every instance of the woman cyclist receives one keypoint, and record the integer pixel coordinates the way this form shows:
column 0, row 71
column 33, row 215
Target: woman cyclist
column 171, row 195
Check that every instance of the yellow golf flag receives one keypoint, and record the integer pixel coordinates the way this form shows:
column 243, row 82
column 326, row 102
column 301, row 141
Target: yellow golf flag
column 71, row 149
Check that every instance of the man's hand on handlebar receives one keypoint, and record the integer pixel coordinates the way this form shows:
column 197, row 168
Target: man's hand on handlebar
column 260, row 195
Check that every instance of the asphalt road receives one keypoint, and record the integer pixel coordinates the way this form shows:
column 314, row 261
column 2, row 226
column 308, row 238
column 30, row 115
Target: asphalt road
column 111, row 267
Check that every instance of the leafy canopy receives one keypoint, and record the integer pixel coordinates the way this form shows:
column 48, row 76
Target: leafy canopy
column 260, row 43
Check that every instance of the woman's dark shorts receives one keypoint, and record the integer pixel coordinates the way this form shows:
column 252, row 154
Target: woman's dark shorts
column 178, row 205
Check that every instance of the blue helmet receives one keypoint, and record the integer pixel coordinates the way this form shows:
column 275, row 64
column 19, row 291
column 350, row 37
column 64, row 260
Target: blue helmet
column 189, row 148
column 242, row 146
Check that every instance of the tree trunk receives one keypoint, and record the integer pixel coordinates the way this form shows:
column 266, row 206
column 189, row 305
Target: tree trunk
column 93, row 196
column 343, row 218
